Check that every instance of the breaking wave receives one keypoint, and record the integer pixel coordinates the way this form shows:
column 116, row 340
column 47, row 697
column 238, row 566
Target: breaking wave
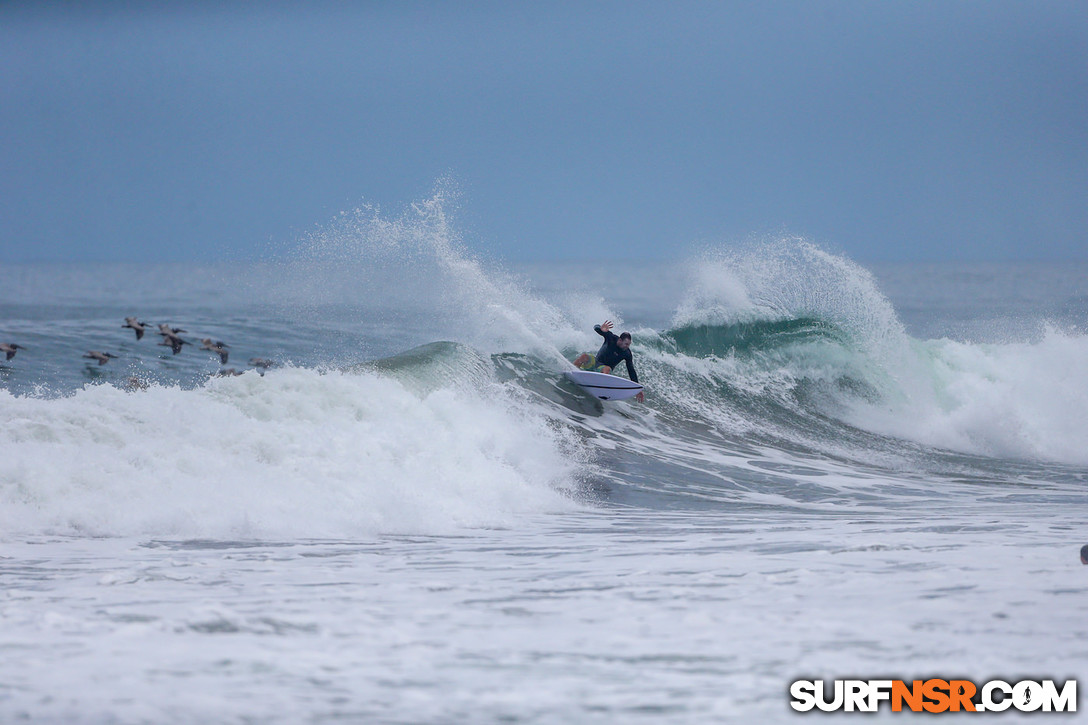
column 783, row 362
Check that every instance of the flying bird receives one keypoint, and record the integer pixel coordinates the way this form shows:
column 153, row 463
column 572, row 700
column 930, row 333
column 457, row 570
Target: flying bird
column 101, row 357
column 139, row 327
column 219, row 348
column 172, row 341
column 10, row 348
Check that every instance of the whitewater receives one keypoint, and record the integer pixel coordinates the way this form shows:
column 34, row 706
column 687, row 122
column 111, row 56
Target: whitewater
column 839, row 471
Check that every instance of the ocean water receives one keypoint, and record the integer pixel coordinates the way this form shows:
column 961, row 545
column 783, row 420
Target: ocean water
column 839, row 471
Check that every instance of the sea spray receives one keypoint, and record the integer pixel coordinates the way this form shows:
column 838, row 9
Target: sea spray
column 417, row 263
column 1015, row 400
column 788, row 325
column 777, row 350
column 295, row 453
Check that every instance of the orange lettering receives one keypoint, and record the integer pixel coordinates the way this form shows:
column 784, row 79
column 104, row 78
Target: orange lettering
column 961, row 692
column 934, row 691
column 912, row 695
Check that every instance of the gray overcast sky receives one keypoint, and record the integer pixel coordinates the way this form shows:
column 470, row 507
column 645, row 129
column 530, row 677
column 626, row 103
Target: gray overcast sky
column 889, row 130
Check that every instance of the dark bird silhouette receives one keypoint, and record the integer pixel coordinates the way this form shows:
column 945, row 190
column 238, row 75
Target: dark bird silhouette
column 101, row 357
column 139, row 327
column 172, row 341
column 134, row 382
column 219, row 348
column 165, row 329
column 260, row 362
column 10, row 348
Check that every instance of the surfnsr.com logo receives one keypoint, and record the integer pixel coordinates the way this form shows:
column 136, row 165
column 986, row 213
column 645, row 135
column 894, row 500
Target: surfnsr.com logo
column 934, row 695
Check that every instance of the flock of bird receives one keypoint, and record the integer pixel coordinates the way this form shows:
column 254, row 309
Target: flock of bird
column 170, row 339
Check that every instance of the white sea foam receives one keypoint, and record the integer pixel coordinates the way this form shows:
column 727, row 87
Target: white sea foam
column 726, row 566
column 1024, row 400
column 1019, row 400
column 296, row 453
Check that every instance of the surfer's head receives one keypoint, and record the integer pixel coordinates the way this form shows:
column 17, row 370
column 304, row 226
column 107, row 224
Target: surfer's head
column 624, row 341
column 1084, row 554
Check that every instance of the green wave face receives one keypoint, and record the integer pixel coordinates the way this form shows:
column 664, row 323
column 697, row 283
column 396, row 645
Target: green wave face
column 746, row 337
column 772, row 382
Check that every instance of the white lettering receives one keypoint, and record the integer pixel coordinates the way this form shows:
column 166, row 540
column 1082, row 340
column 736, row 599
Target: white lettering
column 988, row 697
column 879, row 690
column 1027, row 696
column 821, row 698
column 856, row 695
column 804, row 695
column 1065, row 701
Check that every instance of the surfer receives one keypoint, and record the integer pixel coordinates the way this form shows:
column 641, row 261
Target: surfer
column 1084, row 554
column 608, row 357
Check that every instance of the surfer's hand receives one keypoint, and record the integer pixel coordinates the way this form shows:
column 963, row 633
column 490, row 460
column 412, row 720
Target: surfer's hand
column 606, row 325
column 639, row 398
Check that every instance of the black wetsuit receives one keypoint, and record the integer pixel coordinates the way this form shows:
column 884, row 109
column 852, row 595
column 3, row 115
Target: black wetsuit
column 610, row 353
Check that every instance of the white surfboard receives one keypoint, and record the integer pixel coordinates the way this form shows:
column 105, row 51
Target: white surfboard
column 605, row 387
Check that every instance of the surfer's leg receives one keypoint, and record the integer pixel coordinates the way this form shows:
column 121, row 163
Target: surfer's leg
column 581, row 360
column 606, row 370
column 589, row 363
